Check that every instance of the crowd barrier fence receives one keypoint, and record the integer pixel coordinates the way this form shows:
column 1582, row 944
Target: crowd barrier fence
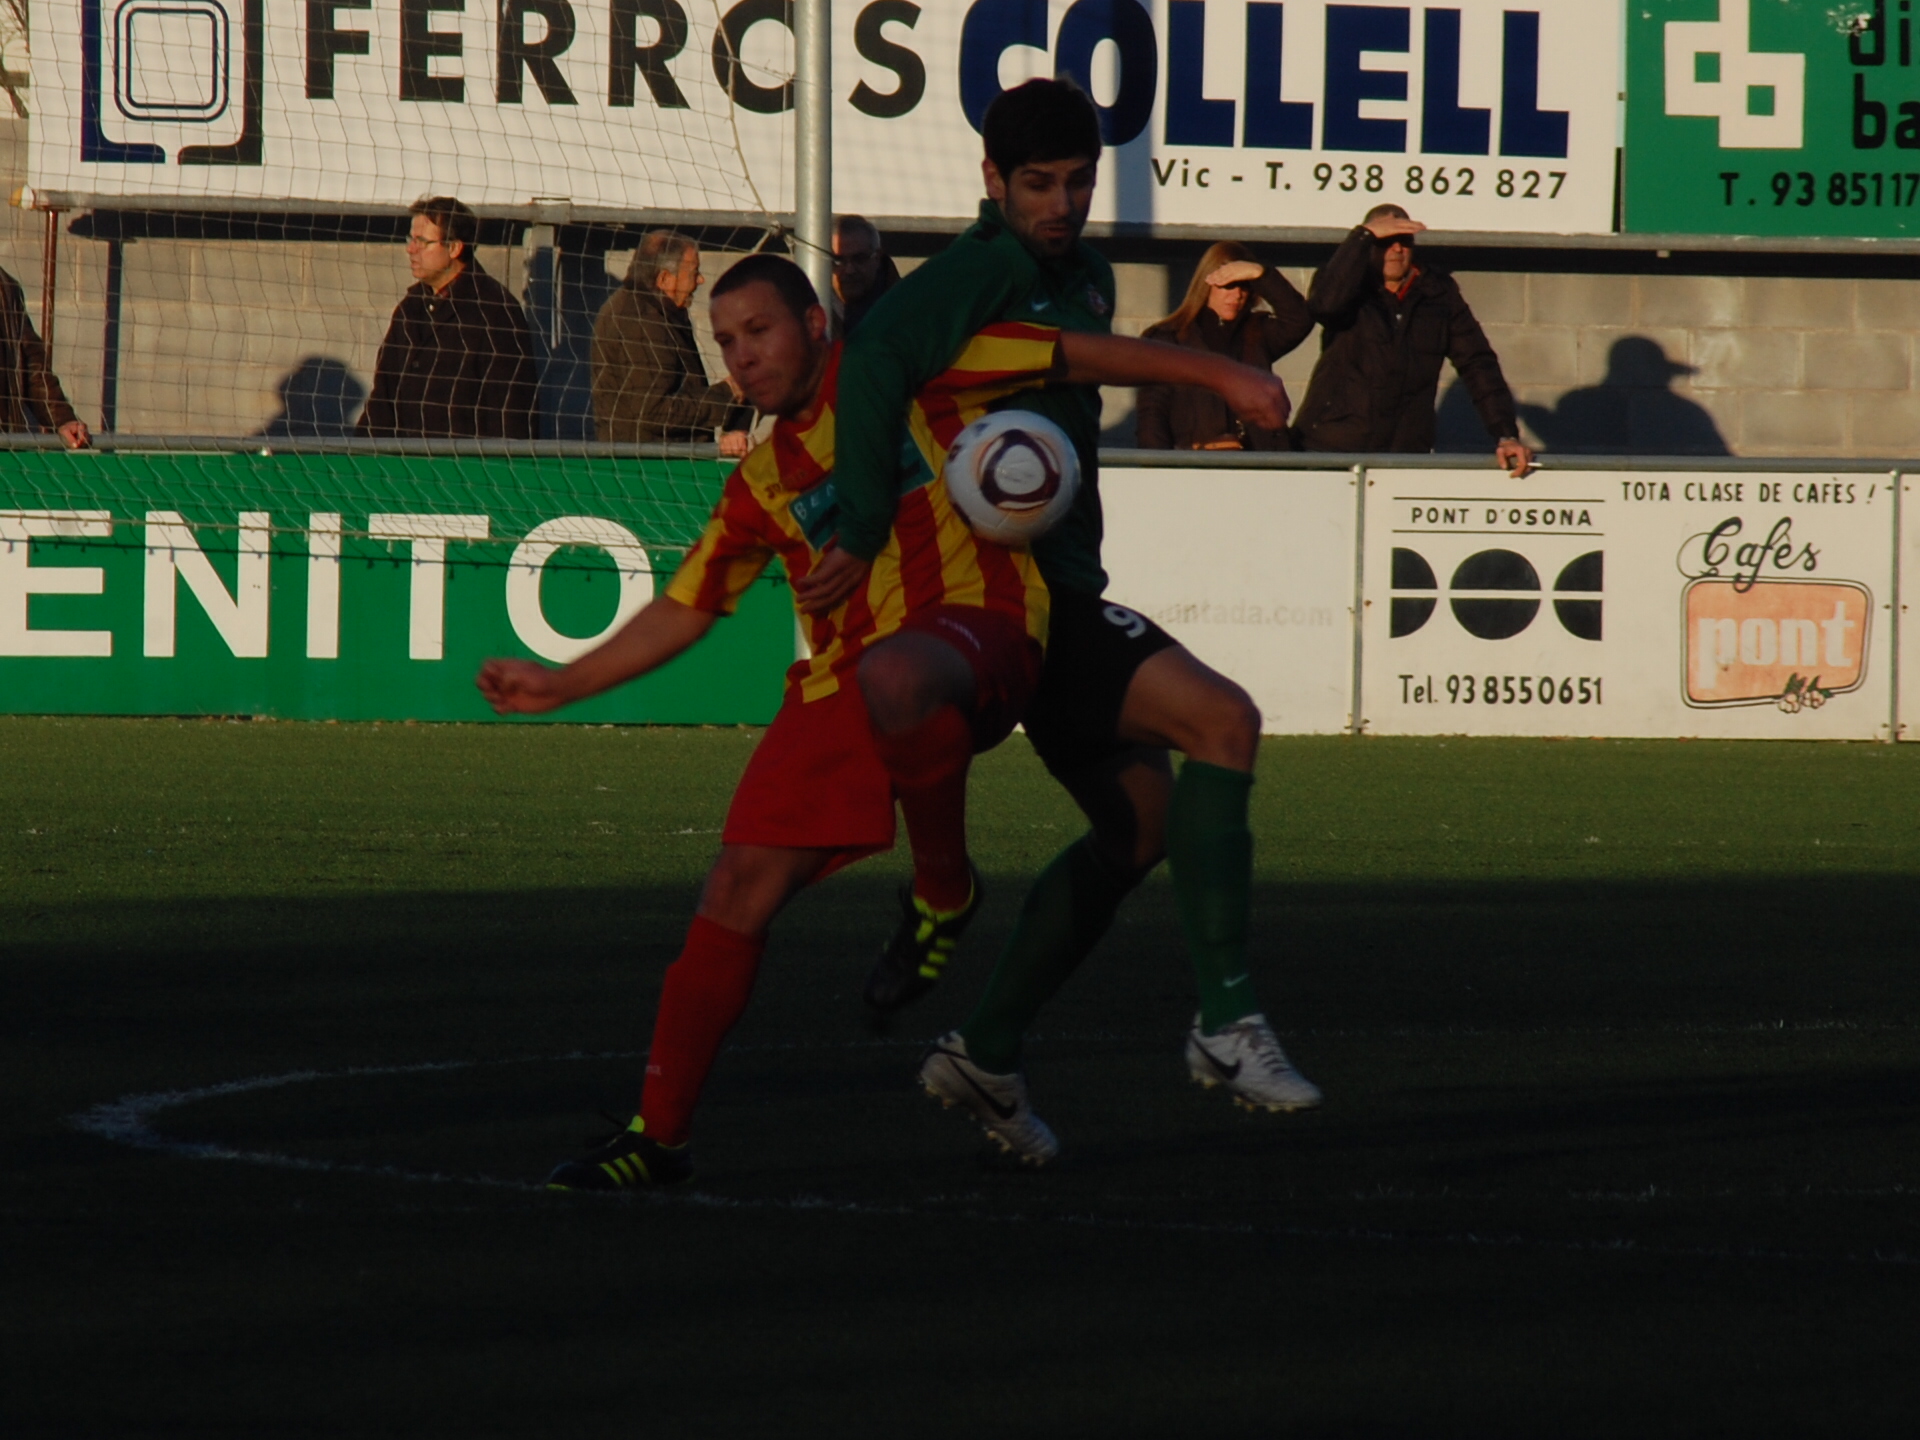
column 1411, row 595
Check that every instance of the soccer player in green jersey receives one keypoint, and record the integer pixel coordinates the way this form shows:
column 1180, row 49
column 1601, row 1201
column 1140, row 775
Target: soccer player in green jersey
column 1117, row 694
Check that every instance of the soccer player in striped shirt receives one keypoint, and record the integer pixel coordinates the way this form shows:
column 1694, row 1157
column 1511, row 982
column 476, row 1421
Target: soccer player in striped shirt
column 931, row 660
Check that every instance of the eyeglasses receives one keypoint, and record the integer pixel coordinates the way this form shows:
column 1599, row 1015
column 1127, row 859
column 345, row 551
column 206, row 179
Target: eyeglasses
column 849, row 262
column 415, row 242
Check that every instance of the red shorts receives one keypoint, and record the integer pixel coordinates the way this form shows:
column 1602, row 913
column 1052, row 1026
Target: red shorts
column 1006, row 663
column 815, row 781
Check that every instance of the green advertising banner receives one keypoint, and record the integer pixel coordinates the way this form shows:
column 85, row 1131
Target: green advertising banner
column 1772, row 117
column 350, row 584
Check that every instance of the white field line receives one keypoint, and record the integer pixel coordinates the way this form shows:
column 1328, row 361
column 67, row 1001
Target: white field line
column 128, row 1121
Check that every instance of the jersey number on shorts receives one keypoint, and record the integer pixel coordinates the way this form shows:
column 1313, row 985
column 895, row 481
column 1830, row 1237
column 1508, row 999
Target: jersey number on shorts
column 1134, row 625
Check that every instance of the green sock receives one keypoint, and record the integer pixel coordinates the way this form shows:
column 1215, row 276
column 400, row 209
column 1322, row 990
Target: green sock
column 1210, row 851
column 1065, row 914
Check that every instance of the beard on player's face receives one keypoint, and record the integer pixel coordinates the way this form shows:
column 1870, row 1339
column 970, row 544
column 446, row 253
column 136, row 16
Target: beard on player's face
column 1045, row 202
column 776, row 357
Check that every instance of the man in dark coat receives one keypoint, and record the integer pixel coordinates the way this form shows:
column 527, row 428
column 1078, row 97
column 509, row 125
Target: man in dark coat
column 649, row 383
column 458, row 358
column 30, row 393
column 862, row 269
column 1387, row 324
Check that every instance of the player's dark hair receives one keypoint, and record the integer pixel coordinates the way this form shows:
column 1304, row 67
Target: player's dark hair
column 452, row 218
column 1039, row 121
column 788, row 280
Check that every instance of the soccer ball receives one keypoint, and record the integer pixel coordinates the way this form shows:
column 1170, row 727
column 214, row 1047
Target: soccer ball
column 1013, row 475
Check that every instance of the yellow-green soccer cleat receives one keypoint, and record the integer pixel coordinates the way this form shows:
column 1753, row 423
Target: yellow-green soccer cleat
column 916, row 957
column 628, row 1160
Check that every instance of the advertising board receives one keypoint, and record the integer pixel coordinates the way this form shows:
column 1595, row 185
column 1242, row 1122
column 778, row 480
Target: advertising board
column 1619, row 603
column 1252, row 571
column 1483, row 115
column 1772, row 117
column 193, row 584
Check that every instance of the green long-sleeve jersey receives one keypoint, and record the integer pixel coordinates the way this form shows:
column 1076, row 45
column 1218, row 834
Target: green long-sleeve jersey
column 917, row 330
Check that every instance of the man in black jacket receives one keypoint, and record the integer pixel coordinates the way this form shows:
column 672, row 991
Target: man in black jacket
column 1387, row 323
column 458, row 358
column 30, row 393
column 862, row 269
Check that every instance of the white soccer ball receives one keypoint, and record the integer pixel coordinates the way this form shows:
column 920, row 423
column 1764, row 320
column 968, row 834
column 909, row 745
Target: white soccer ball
column 1012, row 475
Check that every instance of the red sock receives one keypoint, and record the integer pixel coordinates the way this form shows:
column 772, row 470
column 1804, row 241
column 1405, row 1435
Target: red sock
column 929, row 769
column 705, row 992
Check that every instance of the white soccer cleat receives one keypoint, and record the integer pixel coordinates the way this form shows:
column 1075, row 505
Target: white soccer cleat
column 1246, row 1058
column 998, row 1102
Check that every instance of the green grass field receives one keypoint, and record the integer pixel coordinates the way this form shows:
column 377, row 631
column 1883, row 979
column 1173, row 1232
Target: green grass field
column 1621, row 1044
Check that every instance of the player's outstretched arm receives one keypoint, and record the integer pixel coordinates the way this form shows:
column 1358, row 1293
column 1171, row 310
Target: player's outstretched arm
column 1255, row 395
column 644, row 643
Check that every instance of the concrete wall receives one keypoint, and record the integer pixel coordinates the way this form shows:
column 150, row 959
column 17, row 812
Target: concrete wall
column 1682, row 364
column 1818, row 366
column 252, row 337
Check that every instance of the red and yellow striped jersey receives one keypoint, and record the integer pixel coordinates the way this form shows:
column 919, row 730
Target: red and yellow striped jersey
column 780, row 501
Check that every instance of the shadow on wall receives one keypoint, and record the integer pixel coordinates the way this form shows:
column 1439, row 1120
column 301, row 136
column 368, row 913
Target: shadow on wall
column 320, row 398
column 1634, row 411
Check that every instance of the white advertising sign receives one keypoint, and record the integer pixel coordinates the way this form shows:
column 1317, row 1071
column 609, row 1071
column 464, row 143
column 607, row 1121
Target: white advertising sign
column 1909, row 633
column 1252, row 571
column 1481, row 115
column 1725, row 605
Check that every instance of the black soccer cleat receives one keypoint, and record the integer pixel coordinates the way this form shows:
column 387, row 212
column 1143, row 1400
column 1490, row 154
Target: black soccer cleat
column 627, row 1160
column 916, row 957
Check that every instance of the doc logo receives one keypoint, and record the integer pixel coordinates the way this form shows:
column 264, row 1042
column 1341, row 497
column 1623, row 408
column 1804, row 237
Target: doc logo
column 179, row 79
column 1790, row 643
column 1495, row 594
column 1759, row 98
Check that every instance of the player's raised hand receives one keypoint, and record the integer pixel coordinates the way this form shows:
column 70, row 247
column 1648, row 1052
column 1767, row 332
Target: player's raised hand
column 831, row 582
column 1257, row 396
column 520, row 687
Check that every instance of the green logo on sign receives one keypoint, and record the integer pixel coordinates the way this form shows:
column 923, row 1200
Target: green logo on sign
column 1772, row 117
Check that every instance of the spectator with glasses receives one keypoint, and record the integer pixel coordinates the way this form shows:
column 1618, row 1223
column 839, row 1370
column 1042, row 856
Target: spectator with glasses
column 1236, row 307
column 458, row 358
column 862, row 269
column 1387, row 323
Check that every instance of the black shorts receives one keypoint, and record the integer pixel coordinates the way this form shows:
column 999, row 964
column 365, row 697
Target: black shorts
column 1093, row 648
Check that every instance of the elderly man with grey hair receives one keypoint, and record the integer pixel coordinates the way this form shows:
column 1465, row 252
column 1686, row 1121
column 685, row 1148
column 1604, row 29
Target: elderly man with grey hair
column 648, row 380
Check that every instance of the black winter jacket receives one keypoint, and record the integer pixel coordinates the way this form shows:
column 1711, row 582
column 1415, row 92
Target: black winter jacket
column 1380, row 356
column 458, row 364
column 30, row 394
column 1179, row 417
